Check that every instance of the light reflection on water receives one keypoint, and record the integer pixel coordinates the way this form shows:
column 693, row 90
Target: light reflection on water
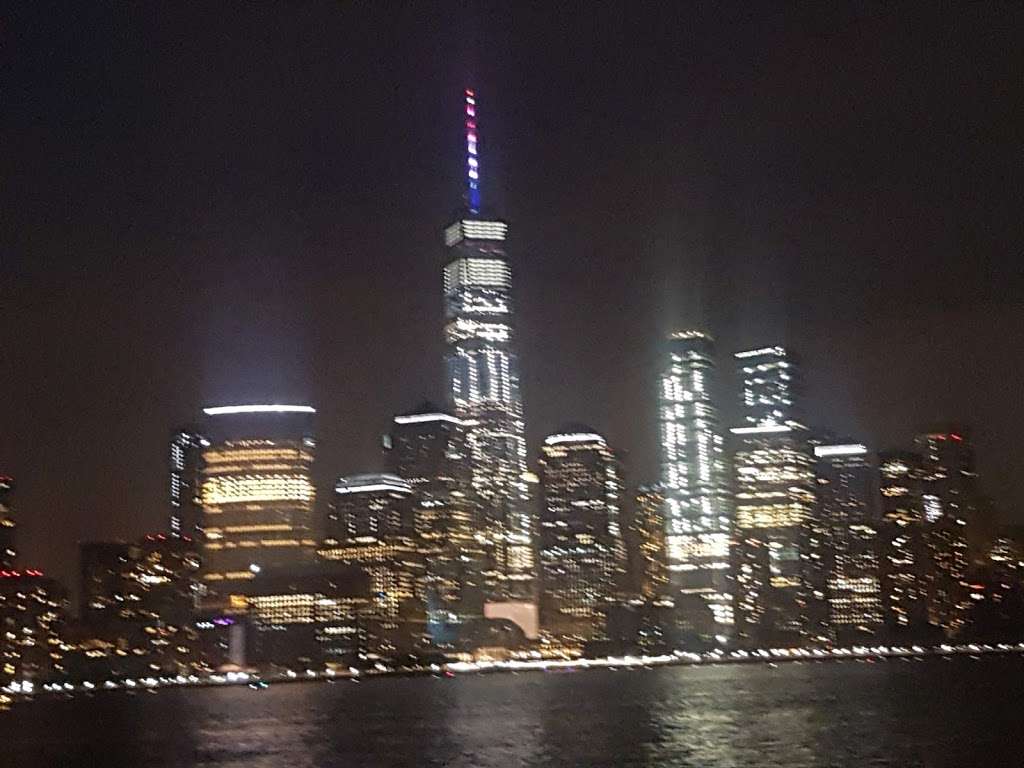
column 935, row 713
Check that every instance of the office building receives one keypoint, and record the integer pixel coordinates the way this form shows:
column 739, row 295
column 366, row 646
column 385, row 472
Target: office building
column 257, row 494
column 582, row 550
column 185, row 465
column 33, row 613
column 8, row 528
column 779, row 567
column 958, row 531
column 371, row 526
column 429, row 449
column 904, row 566
column 645, row 539
column 483, row 374
column 694, row 480
column 847, row 494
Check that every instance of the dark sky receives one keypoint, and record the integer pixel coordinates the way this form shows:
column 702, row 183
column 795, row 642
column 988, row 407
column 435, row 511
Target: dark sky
column 243, row 202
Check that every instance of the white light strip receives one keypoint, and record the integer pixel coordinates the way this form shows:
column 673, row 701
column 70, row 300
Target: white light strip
column 853, row 449
column 574, row 437
column 420, row 418
column 343, row 489
column 764, row 351
column 225, row 410
column 765, row 430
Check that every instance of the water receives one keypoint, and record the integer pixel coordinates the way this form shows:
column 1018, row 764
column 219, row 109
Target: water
column 940, row 712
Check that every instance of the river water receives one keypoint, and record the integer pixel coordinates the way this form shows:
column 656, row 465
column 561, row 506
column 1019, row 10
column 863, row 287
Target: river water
column 940, row 712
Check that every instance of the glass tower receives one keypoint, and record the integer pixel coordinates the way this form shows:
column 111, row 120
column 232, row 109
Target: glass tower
column 779, row 568
column 582, row 548
column 257, row 493
column 698, row 509
column 483, row 376
column 847, row 495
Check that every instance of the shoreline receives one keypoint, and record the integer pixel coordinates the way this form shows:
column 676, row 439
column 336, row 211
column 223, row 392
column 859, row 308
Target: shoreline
column 16, row 693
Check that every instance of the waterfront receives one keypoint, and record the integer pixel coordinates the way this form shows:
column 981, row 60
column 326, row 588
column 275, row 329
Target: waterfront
column 952, row 711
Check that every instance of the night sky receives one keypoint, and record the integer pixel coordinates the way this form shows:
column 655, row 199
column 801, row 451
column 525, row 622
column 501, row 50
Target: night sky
column 243, row 202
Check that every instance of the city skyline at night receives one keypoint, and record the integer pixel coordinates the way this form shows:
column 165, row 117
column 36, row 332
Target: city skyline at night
column 225, row 298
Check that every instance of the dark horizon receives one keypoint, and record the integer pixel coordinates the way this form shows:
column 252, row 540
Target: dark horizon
column 208, row 206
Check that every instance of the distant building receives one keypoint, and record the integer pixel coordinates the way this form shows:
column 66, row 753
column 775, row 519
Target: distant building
column 779, row 560
column 581, row 544
column 257, row 494
column 847, row 494
column 136, row 608
column 953, row 510
column 483, row 374
column 185, row 461
column 429, row 449
column 33, row 613
column 645, row 538
column 371, row 526
column 105, row 572
column 695, row 483
column 904, row 561
column 8, row 528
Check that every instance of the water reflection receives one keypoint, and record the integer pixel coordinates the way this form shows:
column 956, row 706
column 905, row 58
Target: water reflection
column 937, row 713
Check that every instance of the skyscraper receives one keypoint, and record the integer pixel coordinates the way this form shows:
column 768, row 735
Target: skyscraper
column 429, row 449
column 582, row 549
column 371, row 526
column 483, row 374
column 8, row 550
column 847, row 508
column 779, row 567
column 952, row 509
column 645, row 543
column 185, row 463
column 257, row 493
column 902, row 542
column 694, row 479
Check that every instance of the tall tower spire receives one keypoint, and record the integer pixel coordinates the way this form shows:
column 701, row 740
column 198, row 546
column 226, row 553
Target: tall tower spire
column 472, row 156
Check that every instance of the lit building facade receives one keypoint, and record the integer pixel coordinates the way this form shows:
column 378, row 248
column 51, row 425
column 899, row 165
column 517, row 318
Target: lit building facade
column 186, row 479
column 847, row 494
column 694, row 480
column 581, row 544
column 645, row 538
column 952, row 509
column 779, row 563
column 8, row 528
column 33, row 614
column 371, row 526
column 483, row 375
column 903, row 552
column 257, row 493
column 429, row 449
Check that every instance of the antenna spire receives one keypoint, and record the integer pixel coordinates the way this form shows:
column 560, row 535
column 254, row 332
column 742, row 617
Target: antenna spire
column 472, row 157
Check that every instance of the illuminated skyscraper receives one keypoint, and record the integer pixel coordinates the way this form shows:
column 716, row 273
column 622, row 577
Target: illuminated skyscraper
column 582, row 549
column 779, row 566
column 429, row 449
column 902, row 541
column 371, row 525
column 8, row 550
column 483, row 375
column 953, row 513
column 645, row 540
column 186, row 464
column 694, row 479
column 847, row 507
column 33, row 611
column 257, row 493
